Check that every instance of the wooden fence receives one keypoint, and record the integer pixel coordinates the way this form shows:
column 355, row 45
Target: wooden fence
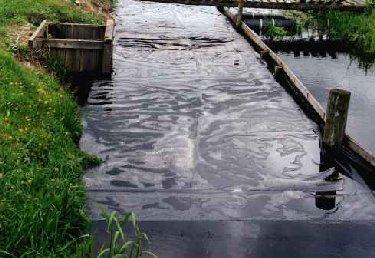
column 82, row 47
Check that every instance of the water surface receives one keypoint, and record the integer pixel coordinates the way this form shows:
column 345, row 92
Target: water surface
column 200, row 141
column 322, row 73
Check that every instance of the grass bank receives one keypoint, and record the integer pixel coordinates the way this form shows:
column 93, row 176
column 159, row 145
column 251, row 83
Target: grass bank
column 42, row 197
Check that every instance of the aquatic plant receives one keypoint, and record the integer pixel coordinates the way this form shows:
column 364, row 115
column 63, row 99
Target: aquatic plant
column 118, row 245
column 272, row 30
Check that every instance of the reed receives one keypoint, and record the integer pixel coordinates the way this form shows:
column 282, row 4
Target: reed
column 355, row 28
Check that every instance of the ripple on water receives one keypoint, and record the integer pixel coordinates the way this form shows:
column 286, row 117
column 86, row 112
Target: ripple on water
column 193, row 126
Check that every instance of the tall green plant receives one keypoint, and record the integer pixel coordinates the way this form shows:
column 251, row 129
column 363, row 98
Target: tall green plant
column 355, row 28
column 272, row 30
column 119, row 245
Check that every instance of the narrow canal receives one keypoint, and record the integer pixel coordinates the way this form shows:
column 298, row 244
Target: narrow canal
column 209, row 150
column 323, row 65
column 320, row 73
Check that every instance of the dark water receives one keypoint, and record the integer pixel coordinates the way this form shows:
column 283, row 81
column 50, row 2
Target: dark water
column 326, row 64
column 259, row 238
column 322, row 73
column 198, row 137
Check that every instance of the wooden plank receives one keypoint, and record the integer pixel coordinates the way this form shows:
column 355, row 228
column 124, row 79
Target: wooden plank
column 107, row 58
column 33, row 40
column 98, row 33
column 82, row 24
column 92, row 60
column 81, row 46
column 84, row 32
column 99, row 63
column 109, row 29
column 69, row 59
column 76, row 60
column 108, row 48
column 54, row 52
column 78, row 31
column 302, row 6
column 69, row 31
column 72, row 59
column 360, row 150
column 84, row 60
column 239, row 13
column 73, row 43
column 81, row 32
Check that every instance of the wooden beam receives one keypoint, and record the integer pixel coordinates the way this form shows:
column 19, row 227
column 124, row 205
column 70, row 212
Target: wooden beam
column 33, row 42
column 109, row 30
column 82, row 24
column 313, row 6
column 73, row 43
column 239, row 13
column 108, row 47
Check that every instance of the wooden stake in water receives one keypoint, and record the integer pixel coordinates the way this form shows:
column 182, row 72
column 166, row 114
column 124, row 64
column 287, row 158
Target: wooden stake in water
column 336, row 117
column 239, row 14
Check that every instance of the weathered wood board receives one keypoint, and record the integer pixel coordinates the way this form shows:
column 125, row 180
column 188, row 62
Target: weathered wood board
column 83, row 47
column 342, row 5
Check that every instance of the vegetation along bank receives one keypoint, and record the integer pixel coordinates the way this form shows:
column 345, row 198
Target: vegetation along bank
column 42, row 197
column 355, row 29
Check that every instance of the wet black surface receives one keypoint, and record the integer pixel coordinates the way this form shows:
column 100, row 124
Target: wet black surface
column 265, row 239
column 195, row 133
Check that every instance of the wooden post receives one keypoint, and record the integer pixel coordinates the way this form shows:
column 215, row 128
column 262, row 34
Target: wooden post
column 108, row 49
column 336, row 117
column 264, row 53
column 36, row 40
column 239, row 14
column 276, row 70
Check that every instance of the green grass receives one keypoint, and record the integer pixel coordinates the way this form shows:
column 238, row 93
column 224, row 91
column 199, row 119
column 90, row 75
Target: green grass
column 34, row 11
column 356, row 28
column 41, row 193
column 42, row 198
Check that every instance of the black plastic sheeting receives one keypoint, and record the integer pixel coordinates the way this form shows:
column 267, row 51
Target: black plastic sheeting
column 195, row 132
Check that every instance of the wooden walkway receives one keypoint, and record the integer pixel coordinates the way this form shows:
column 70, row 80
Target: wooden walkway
column 303, row 5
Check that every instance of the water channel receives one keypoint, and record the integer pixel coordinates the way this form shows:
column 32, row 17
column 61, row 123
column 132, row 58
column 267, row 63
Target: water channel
column 323, row 65
column 212, row 154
